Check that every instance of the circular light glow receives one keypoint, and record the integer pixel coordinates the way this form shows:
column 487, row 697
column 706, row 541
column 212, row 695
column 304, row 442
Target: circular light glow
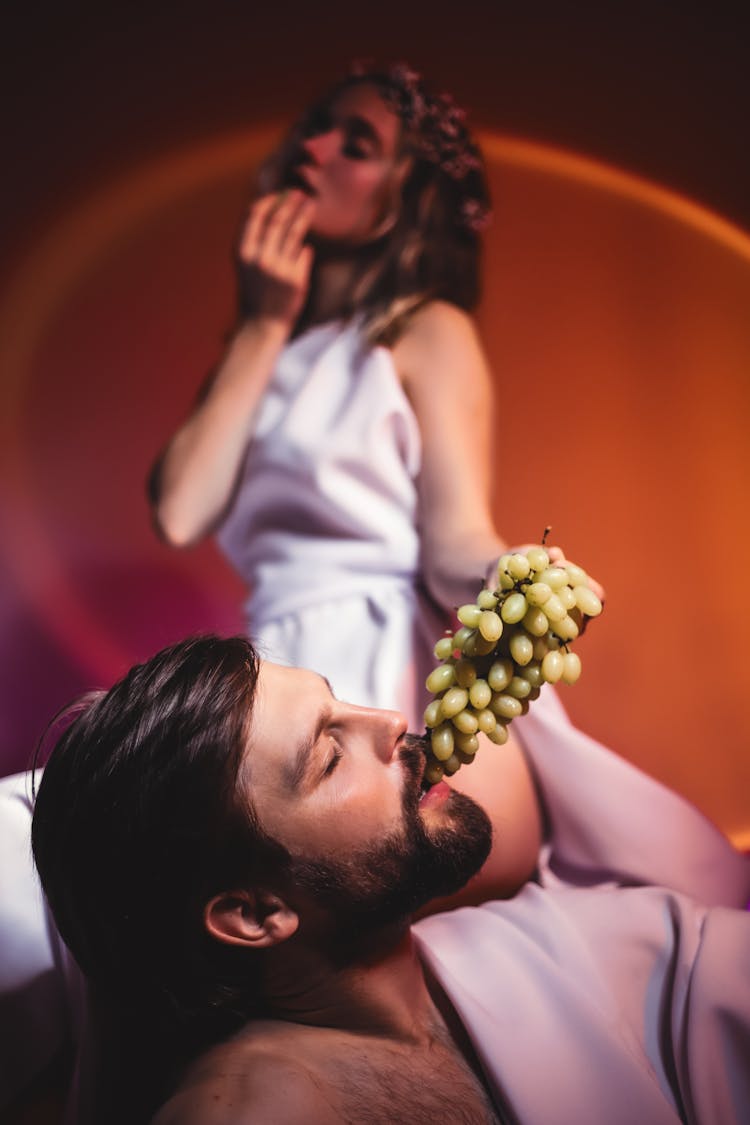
column 59, row 262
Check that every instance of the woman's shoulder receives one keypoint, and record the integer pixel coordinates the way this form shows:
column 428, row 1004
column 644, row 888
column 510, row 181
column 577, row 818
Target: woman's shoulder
column 435, row 322
column 439, row 337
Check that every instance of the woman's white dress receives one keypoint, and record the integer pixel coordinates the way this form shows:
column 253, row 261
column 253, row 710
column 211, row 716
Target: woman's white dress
column 324, row 523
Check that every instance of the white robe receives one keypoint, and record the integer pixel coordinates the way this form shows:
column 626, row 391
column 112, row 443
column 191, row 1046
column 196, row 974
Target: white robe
column 323, row 523
column 617, row 990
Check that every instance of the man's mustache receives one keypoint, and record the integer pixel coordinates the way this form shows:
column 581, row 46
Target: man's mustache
column 413, row 753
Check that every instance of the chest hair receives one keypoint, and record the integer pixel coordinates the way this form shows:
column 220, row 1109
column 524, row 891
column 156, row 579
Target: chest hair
column 373, row 1083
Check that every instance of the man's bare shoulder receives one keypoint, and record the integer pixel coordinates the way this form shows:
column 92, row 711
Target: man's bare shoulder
column 247, row 1080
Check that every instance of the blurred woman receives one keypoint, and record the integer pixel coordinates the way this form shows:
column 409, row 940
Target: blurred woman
column 340, row 452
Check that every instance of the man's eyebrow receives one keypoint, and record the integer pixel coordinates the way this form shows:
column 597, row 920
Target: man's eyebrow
column 296, row 771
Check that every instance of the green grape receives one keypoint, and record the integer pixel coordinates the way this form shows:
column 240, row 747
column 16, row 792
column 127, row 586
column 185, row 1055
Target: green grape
column 444, row 648
column 440, row 678
column 499, row 735
column 502, row 564
column 506, row 706
column 554, row 610
column 452, row 764
column 486, row 599
column 519, row 687
column 504, row 581
column 466, row 672
column 461, row 637
column 554, row 576
column 432, row 715
column 500, row 674
column 480, row 693
column 577, row 576
column 482, row 646
column 541, row 648
column 552, row 667
column 518, row 566
column 534, row 694
column 469, row 615
column 537, row 593
column 454, row 700
column 566, row 596
column 533, row 672
column 469, row 743
column 464, row 757
column 571, row 667
column 577, row 617
column 441, row 741
column 513, row 608
column 535, row 621
column 486, row 720
column 538, row 558
column 521, row 648
column 566, row 630
column 433, row 772
column 490, row 625
column 587, row 601
column 465, row 722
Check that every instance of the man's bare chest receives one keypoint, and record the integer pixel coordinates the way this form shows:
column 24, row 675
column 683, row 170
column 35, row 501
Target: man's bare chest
column 371, row 1083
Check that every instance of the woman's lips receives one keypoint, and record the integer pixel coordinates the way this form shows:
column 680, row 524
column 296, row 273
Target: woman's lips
column 298, row 179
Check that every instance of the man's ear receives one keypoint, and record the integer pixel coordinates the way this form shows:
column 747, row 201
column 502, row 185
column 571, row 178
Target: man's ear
column 257, row 919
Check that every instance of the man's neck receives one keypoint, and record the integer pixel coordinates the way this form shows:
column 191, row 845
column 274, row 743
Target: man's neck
column 384, row 995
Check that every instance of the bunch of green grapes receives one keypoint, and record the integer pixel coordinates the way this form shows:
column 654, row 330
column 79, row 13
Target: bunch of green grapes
column 512, row 640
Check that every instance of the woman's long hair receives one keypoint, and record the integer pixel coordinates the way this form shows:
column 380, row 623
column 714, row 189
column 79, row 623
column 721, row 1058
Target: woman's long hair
column 431, row 249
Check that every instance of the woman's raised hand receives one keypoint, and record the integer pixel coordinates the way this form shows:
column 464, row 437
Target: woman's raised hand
column 274, row 262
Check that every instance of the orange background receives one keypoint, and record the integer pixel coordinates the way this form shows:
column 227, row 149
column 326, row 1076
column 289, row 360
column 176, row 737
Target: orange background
column 615, row 315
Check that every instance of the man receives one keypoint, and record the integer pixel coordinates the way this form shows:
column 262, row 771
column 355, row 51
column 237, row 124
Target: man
column 225, row 840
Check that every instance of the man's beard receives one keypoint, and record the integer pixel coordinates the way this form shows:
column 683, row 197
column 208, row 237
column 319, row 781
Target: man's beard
column 379, row 887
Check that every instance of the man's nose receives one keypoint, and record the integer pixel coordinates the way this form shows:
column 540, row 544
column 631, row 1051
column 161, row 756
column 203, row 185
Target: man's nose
column 321, row 146
column 390, row 728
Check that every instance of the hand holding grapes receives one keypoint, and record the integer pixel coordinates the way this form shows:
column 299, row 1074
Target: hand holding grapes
column 512, row 640
column 274, row 262
column 557, row 558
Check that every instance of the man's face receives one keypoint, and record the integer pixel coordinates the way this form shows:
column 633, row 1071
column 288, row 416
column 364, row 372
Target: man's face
column 339, row 787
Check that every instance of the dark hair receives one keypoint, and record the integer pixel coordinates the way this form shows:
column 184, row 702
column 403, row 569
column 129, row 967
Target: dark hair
column 433, row 249
column 140, row 819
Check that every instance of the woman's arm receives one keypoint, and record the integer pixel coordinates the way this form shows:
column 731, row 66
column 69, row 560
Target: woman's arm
column 446, row 377
column 499, row 779
column 193, row 479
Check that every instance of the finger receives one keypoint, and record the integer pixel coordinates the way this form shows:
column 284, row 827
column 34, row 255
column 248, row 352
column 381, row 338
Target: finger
column 254, row 232
column 304, row 264
column 280, row 221
column 299, row 227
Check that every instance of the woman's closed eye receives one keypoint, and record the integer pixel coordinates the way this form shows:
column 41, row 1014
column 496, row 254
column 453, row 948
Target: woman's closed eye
column 356, row 149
